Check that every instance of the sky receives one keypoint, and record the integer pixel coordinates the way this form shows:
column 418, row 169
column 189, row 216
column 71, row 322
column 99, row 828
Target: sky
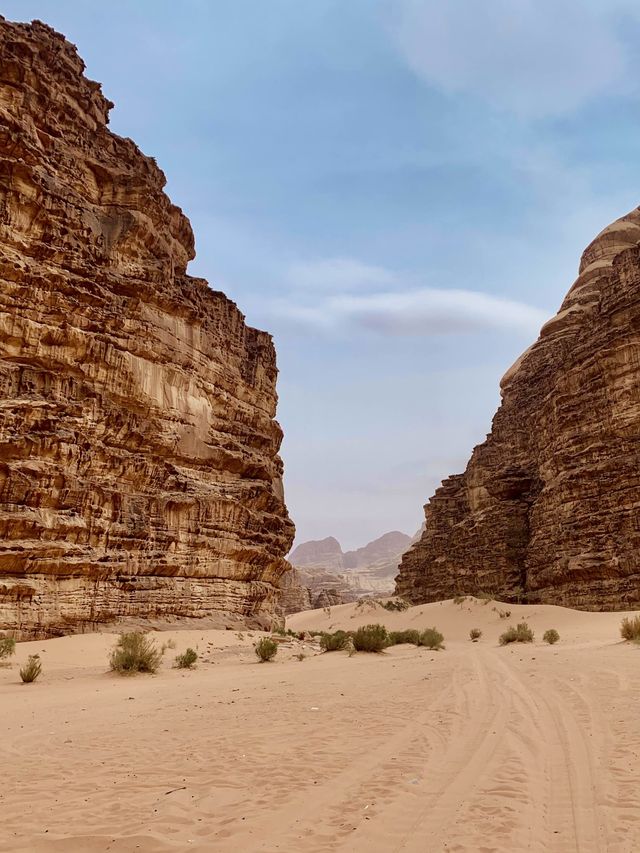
column 398, row 190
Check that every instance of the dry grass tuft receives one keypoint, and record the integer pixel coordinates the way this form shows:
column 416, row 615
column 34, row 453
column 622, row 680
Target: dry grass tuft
column 135, row 652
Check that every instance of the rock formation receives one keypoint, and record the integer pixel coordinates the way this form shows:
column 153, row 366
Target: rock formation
column 324, row 575
column 325, row 553
column 548, row 509
column 139, row 468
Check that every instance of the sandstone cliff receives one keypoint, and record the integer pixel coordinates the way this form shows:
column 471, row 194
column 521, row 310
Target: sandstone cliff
column 548, row 509
column 139, row 468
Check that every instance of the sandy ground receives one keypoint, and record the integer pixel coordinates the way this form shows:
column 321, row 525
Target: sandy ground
column 474, row 748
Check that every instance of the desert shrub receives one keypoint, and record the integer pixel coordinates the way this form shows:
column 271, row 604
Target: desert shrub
column 522, row 633
column 396, row 638
column 187, row 659
column 504, row 614
column 475, row 634
column 370, row 638
column 135, row 652
column 459, row 599
column 31, row 669
column 396, row 604
column 301, row 656
column 630, row 628
column 334, row 642
column 432, row 639
column 7, row 647
column 484, row 597
column 551, row 636
column 266, row 649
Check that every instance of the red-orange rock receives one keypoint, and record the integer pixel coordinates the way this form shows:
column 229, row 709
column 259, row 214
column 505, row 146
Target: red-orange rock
column 139, row 467
column 548, row 509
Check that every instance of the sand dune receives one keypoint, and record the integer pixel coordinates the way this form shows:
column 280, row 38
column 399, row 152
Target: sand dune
column 475, row 748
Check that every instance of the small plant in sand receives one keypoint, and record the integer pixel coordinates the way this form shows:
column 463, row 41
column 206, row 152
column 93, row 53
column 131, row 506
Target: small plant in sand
column 396, row 604
column 334, row 642
column 475, row 634
column 266, row 649
column 432, row 639
column 301, row 656
column 7, row 647
column 630, row 628
column 187, row 659
column 459, row 599
column 504, row 614
column 551, row 636
column 484, row 597
column 410, row 636
column 522, row 633
column 371, row 638
column 135, row 652
column 31, row 669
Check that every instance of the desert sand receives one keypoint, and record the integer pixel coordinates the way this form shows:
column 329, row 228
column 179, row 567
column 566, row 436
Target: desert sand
column 474, row 748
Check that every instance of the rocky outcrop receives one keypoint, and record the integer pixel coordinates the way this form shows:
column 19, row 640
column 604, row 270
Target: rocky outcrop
column 323, row 575
column 139, row 467
column 548, row 509
column 293, row 595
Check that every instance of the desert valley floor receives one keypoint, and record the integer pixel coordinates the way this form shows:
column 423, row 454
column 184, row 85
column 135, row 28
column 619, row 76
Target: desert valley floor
column 475, row 748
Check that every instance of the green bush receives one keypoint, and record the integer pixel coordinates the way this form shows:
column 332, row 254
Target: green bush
column 411, row 636
column 432, row 639
column 7, row 647
column 551, row 636
column 266, row 649
column 370, row 638
column 334, row 642
column 522, row 633
column 630, row 628
column 187, row 659
column 31, row 670
column 135, row 652
column 475, row 634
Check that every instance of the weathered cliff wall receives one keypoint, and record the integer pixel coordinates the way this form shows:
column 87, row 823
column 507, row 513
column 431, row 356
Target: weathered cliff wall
column 548, row 509
column 139, row 467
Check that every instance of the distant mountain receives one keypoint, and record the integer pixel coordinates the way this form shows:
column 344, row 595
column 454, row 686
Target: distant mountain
column 324, row 553
column 325, row 573
column 385, row 548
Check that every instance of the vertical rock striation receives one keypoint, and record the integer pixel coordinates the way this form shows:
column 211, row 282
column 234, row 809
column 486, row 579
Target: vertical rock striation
column 139, row 467
column 548, row 508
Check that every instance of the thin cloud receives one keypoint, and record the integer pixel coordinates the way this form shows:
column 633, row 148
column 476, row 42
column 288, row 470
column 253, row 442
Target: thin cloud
column 352, row 300
column 339, row 274
column 535, row 58
column 431, row 311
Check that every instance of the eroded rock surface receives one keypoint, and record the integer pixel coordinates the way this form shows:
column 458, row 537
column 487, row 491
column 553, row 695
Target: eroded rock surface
column 139, row 467
column 548, row 509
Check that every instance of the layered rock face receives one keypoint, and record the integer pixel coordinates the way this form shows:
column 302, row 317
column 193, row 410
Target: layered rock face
column 548, row 509
column 139, row 467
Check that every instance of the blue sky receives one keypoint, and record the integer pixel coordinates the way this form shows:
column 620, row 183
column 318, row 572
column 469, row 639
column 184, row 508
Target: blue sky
column 398, row 190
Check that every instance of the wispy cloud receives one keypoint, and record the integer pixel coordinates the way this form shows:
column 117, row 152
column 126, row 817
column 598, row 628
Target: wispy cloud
column 535, row 58
column 385, row 302
column 339, row 274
